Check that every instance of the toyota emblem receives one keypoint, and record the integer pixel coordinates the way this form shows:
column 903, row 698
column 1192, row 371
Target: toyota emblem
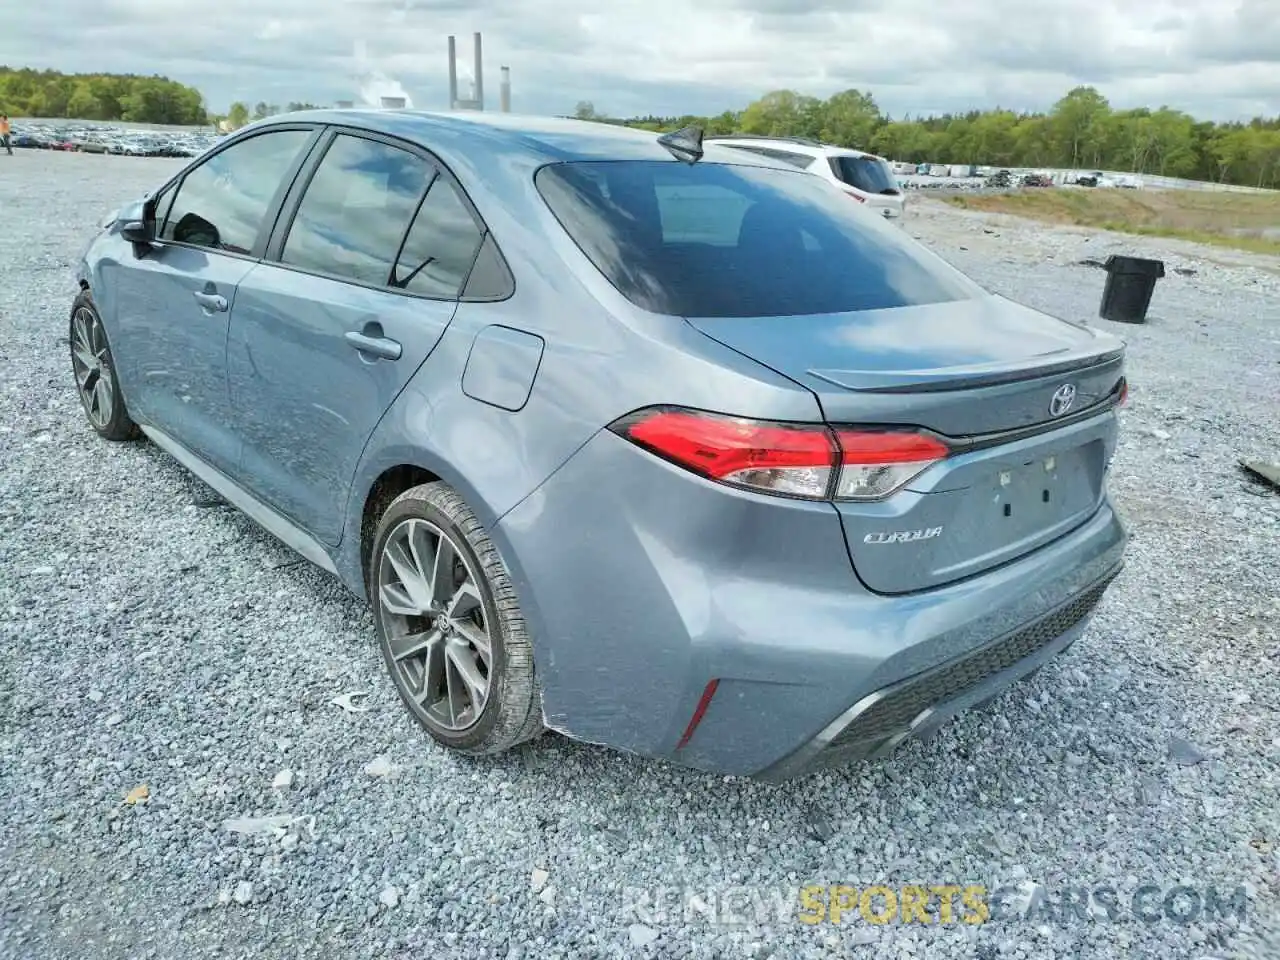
column 1062, row 399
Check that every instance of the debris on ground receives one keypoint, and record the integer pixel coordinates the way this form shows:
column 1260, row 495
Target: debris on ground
column 1270, row 472
column 347, row 702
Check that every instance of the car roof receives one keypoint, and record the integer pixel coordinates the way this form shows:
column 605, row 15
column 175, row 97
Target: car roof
column 533, row 139
column 496, row 155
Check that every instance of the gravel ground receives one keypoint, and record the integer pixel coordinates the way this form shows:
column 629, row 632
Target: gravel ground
column 149, row 639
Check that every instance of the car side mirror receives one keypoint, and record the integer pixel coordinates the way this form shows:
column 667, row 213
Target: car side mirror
column 138, row 222
column 138, row 231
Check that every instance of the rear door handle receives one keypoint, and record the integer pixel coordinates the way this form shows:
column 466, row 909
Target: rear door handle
column 213, row 302
column 383, row 347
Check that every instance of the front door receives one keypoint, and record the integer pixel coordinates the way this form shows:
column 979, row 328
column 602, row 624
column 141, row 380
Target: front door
column 326, row 334
column 174, row 302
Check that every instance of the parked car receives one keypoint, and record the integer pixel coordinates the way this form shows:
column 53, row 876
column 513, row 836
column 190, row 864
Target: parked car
column 1037, row 180
column 865, row 177
column 638, row 439
column 1095, row 179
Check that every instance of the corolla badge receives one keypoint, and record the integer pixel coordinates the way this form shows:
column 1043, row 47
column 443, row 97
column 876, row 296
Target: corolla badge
column 1062, row 399
column 903, row 536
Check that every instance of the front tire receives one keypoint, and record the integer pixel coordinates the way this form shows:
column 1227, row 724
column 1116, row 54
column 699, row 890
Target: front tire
column 94, row 369
column 449, row 624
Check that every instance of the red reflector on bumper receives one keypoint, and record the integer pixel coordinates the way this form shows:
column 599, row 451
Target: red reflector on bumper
column 699, row 712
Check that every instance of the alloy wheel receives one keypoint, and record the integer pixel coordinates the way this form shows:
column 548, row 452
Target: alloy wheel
column 92, row 366
column 433, row 617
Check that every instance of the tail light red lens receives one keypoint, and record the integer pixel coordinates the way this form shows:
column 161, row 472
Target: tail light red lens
column 810, row 461
column 1124, row 392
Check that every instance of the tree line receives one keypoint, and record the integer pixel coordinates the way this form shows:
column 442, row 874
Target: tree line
column 1081, row 131
column 99, row 96
column 239, row 113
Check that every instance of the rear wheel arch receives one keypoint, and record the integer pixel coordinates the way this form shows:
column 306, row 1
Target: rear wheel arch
column 384, row 490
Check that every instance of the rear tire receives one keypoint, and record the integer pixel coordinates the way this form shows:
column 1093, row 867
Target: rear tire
column 94, row 369
column 449, row 624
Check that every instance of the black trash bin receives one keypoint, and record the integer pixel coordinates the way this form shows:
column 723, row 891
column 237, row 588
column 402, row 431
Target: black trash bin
column 1130, row 283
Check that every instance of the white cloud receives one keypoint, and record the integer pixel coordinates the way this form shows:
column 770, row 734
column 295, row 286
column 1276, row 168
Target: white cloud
column 1217, row 60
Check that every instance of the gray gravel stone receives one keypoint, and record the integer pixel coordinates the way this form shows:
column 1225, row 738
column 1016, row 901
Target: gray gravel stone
column 220, row 665
column 641, row 936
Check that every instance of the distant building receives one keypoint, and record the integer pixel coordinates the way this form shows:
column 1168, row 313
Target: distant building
column 345, row 104
column 393, row 103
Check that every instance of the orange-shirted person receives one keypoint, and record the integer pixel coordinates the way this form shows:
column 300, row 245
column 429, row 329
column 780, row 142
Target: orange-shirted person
column 4, row 134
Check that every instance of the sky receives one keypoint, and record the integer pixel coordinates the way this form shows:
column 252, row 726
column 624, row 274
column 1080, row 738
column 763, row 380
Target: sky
column 1216, row 59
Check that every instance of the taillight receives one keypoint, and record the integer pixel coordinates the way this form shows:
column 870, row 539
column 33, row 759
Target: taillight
column 810, row 461
column 1124, row 392
column 876, row 463
column 857, row 197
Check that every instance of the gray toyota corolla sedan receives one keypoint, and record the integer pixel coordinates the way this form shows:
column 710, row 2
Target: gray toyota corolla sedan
column 667, row 448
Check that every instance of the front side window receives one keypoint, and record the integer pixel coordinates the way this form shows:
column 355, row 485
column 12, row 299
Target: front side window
column 356, row 209
column 222, row 203
column 730, row 240
column 162, row 202
column 441, row 245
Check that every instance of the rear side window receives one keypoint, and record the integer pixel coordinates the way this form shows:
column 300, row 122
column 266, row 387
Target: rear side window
column 795, row 159
column 441, row 245
column 489, row 279
column 867, row 174
column 222, row 203
column 723, row 240
column 356, row 210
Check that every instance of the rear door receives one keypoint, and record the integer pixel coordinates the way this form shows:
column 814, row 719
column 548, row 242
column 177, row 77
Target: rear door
column 361, row 280
column 173, row 304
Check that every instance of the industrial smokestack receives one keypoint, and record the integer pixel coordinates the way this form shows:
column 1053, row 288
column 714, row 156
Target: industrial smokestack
column 479, row 94
column 504, row 91
column 453, row 74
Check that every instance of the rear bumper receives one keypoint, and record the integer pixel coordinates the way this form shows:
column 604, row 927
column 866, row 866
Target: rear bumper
column 643, row 583
column 919, row 706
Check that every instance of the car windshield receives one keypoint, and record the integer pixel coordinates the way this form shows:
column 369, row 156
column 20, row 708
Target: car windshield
column 868, row 174
column 722, row 240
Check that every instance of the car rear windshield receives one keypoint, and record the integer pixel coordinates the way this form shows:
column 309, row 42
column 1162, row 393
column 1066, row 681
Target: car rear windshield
column 868, row 174
column 723, row 240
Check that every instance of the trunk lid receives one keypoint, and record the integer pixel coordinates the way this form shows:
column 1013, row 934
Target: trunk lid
column 982, row 373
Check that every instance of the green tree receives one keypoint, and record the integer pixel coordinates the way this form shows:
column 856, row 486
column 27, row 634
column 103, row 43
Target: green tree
column 586, row 110
column 98, row 96
column 237, row 115
column 849, row 118
column 781, row 113
column 1076, row 123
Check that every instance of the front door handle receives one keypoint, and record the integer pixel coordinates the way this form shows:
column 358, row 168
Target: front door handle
column 211, row 302
column 383, row 347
